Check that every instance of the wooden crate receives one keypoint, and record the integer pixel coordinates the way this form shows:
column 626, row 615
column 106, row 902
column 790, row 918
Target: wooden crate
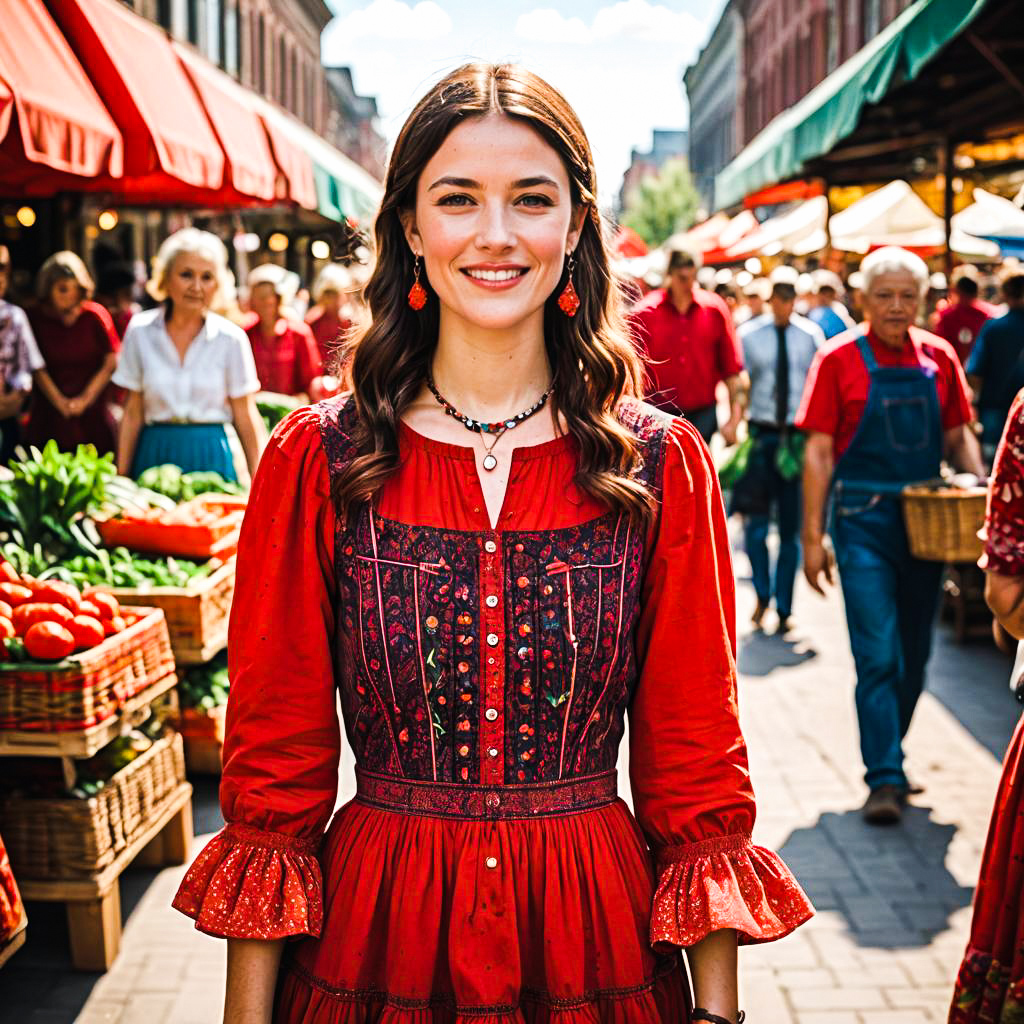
column 197, row 615
column 68, row 838
column 89, row 688
column 94, row 904
column 203, row 733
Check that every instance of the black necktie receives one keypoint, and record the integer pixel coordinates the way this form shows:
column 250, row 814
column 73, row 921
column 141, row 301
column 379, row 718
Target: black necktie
column 781, row 380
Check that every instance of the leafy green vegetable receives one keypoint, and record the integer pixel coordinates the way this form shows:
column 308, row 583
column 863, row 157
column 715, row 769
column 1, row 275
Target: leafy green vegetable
column 169, row 481
column 205, row 687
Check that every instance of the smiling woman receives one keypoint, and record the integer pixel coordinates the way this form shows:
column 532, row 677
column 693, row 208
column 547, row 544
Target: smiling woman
column 493, row 550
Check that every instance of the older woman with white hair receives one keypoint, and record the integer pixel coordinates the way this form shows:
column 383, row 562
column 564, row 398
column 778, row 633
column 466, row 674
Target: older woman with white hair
column 189, row 372
column 883, row 406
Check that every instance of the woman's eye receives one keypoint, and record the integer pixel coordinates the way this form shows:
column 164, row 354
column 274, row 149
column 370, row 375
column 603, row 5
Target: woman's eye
column 536, row 199
column 455, row 199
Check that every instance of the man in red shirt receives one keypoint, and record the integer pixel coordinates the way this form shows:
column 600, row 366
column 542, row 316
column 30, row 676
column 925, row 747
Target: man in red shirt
column 961, row 320
column 286, row 354
column 688, row 337
column 883, row 404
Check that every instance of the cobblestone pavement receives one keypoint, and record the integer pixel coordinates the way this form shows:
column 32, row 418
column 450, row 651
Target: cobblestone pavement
column 894, row 904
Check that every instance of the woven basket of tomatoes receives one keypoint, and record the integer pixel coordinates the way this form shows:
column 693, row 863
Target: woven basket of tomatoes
column 71, row 659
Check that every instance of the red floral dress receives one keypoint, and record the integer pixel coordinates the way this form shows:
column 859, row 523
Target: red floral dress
column 990, row 985
column 486, row 871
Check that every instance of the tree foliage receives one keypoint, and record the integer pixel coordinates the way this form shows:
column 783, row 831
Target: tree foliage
column 662, row 203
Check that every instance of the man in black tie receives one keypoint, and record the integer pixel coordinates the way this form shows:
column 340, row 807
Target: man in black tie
column 778, row 348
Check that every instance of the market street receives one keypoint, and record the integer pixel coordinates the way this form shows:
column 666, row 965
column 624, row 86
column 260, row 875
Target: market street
column 893, row 904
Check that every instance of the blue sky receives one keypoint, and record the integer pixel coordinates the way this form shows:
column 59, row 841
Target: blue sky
column 619, row 62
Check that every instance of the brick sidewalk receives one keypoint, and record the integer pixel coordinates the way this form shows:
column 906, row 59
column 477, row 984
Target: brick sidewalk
column 894, row 904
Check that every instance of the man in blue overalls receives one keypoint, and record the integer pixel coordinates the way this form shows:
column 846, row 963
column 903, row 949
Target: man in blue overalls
column 884, row 404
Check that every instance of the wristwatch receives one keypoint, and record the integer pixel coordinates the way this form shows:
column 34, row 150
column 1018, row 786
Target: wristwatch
column 700, row 1013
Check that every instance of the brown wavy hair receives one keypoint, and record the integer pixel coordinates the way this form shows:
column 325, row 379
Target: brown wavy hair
column 592, row 358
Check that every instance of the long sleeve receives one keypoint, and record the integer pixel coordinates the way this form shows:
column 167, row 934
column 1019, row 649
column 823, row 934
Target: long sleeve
column 688, row 760
column 260, row 877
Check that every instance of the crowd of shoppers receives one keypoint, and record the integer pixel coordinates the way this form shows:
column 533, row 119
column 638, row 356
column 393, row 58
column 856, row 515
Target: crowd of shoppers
column 168, row 373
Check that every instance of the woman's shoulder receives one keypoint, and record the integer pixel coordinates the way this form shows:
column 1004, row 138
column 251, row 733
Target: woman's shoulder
column 146, row 319
column 327, row 426
column 220, row 328
column 669, row 445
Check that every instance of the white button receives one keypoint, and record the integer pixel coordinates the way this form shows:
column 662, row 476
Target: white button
column 490, row 661
column 490, row 547
column 492, row 751
column 491, row 862
column 492, row 639
column 491, row 714
column 492, row 800
column 492, row 601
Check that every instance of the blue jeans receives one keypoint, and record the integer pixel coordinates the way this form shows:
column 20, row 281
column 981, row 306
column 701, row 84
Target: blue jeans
column 787, row 500
column 891, row 598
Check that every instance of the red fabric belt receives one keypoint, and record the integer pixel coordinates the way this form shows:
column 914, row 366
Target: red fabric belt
column 488, row 803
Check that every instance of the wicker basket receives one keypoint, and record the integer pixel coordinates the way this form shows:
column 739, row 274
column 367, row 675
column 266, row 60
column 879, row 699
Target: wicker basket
column 87, row 688
column 197, row 615
column 943, row 524
column 69, row 838
column 203, row 733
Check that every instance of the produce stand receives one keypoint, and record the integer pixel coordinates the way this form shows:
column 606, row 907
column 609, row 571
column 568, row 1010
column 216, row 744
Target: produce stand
column 197, row 615
column 14, row 941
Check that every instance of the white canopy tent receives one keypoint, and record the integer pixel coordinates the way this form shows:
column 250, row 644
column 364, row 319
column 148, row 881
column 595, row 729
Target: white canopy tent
column 897, row 215
column 799, row 231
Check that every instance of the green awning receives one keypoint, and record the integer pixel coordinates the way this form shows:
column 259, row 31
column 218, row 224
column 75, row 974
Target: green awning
column 831, row 111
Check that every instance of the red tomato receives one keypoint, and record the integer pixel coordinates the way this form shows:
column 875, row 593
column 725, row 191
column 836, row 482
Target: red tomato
column 107, row 603
column 8, row 574
column 5, row 610
column 48, row 641
column 26, row 615
column 87, row 631
column 59, row 593
column 113, row 625
column 6, row 629
column 14, row 593
column 88, row 607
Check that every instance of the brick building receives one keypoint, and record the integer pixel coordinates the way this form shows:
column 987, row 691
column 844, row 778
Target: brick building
column 763, row 57
column 273, row 48
column 712, row 86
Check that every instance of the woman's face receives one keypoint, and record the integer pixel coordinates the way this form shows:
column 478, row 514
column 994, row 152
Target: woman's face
column 65, row 295
column 493, row 222
column 264, row 301
column 191, row 282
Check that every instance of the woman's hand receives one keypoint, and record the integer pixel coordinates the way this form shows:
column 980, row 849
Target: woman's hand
column 76, row 406
column 1005, row 596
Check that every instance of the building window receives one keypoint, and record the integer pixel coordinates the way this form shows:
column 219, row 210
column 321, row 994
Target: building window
column 872, row 19
column 229, row 53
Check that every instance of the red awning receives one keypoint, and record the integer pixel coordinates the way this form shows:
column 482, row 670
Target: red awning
column 143, row 84
column 61, row 122
column 238, row 126
column 295, row 163
column 787, row 192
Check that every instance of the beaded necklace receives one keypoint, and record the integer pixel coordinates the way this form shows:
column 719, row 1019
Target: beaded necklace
column 498, row 428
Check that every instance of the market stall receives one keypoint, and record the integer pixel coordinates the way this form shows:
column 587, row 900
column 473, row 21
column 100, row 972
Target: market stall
column 110, row 589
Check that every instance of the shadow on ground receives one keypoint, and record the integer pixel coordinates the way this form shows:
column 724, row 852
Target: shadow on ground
column 762, row 653
column 889, row 883
column 39, row 985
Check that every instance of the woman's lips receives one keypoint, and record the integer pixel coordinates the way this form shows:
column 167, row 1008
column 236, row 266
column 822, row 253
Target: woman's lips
column 497, row 279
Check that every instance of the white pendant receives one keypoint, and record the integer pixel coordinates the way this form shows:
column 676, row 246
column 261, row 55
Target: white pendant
column 490, row 462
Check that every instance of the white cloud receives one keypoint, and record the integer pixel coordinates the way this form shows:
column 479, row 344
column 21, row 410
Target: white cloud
column 393, row 19
column 626, row 19
column 545, row 24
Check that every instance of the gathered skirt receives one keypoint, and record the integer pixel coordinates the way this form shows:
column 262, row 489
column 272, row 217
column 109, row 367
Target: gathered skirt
column 192, row 447
column 990, row 984
column 431, row 920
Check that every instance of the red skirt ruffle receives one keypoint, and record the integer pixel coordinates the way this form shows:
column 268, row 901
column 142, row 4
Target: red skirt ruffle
column 990, row 983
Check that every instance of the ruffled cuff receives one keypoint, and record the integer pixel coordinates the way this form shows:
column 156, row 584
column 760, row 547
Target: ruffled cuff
column 725, row 882
column 251, row 884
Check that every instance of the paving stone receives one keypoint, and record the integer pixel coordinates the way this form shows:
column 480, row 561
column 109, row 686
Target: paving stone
column 863, row 998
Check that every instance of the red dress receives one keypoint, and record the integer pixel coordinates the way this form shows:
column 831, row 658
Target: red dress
column 73, row 355
column 486, row 872
column 990, row 985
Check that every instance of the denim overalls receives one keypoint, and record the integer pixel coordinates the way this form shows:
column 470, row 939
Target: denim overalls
column 890, row 596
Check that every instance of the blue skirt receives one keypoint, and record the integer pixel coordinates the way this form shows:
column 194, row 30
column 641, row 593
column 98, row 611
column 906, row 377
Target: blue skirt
column 193, row 447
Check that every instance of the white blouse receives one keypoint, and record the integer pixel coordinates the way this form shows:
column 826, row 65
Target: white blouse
column 218, row 366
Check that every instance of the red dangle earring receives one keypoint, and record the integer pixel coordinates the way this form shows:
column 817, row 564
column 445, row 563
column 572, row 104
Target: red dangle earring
column 417, row 293
column 569, row 301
